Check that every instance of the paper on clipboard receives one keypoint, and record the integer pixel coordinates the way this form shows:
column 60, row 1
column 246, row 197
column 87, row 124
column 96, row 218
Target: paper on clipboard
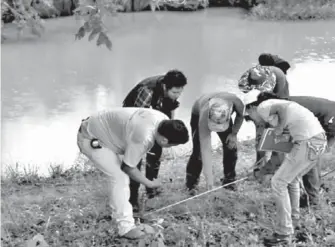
column 267, row 142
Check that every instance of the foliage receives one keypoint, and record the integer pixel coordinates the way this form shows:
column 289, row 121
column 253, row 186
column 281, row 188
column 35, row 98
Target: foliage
column 93, row 25
column 25, row 17
column 184, row 5
column 294, row 9
column 70, row 208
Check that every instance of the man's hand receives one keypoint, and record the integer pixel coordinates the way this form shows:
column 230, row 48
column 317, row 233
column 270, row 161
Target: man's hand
column 279, row 131
column 156, row 183
column 231, row 141
column 261, row 177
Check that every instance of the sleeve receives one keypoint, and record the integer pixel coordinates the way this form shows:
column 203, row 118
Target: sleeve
column 140, row 137
column 143, row 98
column 138, row 144
column 239, row 108
column 264, row 110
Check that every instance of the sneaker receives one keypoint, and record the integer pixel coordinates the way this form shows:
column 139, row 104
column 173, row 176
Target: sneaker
column 135, row 233
column 232, row 187
column 278, row 239
column 136, row 208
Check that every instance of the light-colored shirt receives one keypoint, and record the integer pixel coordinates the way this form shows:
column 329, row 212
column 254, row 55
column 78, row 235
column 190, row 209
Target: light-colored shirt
column 201, row 108
column 300, row 122
column 127, row 131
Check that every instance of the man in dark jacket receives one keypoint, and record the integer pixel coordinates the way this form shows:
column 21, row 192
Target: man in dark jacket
column 160, row 93
column 268, row 59
column 324, row 110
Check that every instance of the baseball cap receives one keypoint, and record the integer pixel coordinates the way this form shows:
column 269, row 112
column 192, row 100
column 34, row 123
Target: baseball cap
column 219, row 114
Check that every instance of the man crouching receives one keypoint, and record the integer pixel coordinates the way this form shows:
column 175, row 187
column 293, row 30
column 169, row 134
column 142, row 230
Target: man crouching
column 131, row 132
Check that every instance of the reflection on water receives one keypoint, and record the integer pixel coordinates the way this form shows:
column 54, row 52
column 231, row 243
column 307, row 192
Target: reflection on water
column 50, row 84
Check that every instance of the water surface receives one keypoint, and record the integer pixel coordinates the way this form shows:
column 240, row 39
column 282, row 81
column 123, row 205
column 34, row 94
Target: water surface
column 50, row 84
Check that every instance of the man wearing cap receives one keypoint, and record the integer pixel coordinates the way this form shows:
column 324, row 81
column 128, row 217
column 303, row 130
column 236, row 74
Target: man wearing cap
column 264, row 79
column 212, row 112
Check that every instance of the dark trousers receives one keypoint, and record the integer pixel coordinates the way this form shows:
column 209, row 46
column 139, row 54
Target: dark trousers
column 311, row 180
column 194, row 165
column 151, row 172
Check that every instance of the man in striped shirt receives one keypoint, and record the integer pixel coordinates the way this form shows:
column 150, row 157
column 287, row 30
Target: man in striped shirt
column 160, row 93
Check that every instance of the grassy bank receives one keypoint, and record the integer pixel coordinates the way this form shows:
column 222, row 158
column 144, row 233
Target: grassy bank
column 294, row 9
column 70, row 208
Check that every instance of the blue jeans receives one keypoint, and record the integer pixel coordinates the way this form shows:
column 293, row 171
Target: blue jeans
column 285, row 182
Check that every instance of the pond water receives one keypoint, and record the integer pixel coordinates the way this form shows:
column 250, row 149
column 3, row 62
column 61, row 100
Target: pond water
column 50, row 83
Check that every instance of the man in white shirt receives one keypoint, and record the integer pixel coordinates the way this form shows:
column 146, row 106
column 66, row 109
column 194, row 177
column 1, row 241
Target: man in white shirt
column 130, row 132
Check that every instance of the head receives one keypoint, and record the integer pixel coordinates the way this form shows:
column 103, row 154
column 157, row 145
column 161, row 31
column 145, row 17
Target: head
column 257, row 75
column 219, row 114
column 253, row 99
column 174, row 82
column 266, row 59
column 171, row 133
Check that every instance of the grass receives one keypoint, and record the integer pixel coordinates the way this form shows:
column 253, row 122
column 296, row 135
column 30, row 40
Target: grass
column 70, row 208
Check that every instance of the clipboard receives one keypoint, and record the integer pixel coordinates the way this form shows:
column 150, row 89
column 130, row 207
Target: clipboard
column 267, row 142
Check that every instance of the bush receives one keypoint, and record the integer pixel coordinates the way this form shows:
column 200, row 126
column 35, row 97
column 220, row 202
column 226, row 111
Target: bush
column 294, row 9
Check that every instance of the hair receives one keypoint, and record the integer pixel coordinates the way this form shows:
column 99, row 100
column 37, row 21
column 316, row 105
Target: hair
column 174, row 78
column 266, row 59
column 174, row 130
column 263, row 96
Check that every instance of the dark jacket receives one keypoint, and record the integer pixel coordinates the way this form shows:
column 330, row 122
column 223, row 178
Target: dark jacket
column 153, row 87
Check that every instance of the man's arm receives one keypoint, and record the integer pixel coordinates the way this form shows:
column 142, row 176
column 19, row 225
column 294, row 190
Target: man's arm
column 136, row 175
column 239, row 108
column 280, row 82
column 173, row 114
column 206, row 147
column 278, row 110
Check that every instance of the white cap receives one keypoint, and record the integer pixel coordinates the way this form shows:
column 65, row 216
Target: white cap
column 251, row 96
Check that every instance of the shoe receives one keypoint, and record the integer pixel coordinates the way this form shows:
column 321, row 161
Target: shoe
column 232, row 187
column 136, row 208
column 135, row 233
column 277, row 239
column 147, row 229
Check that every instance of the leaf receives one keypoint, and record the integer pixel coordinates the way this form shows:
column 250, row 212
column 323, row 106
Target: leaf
column 81, row 33
column 94, row 33
column 103, row 39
